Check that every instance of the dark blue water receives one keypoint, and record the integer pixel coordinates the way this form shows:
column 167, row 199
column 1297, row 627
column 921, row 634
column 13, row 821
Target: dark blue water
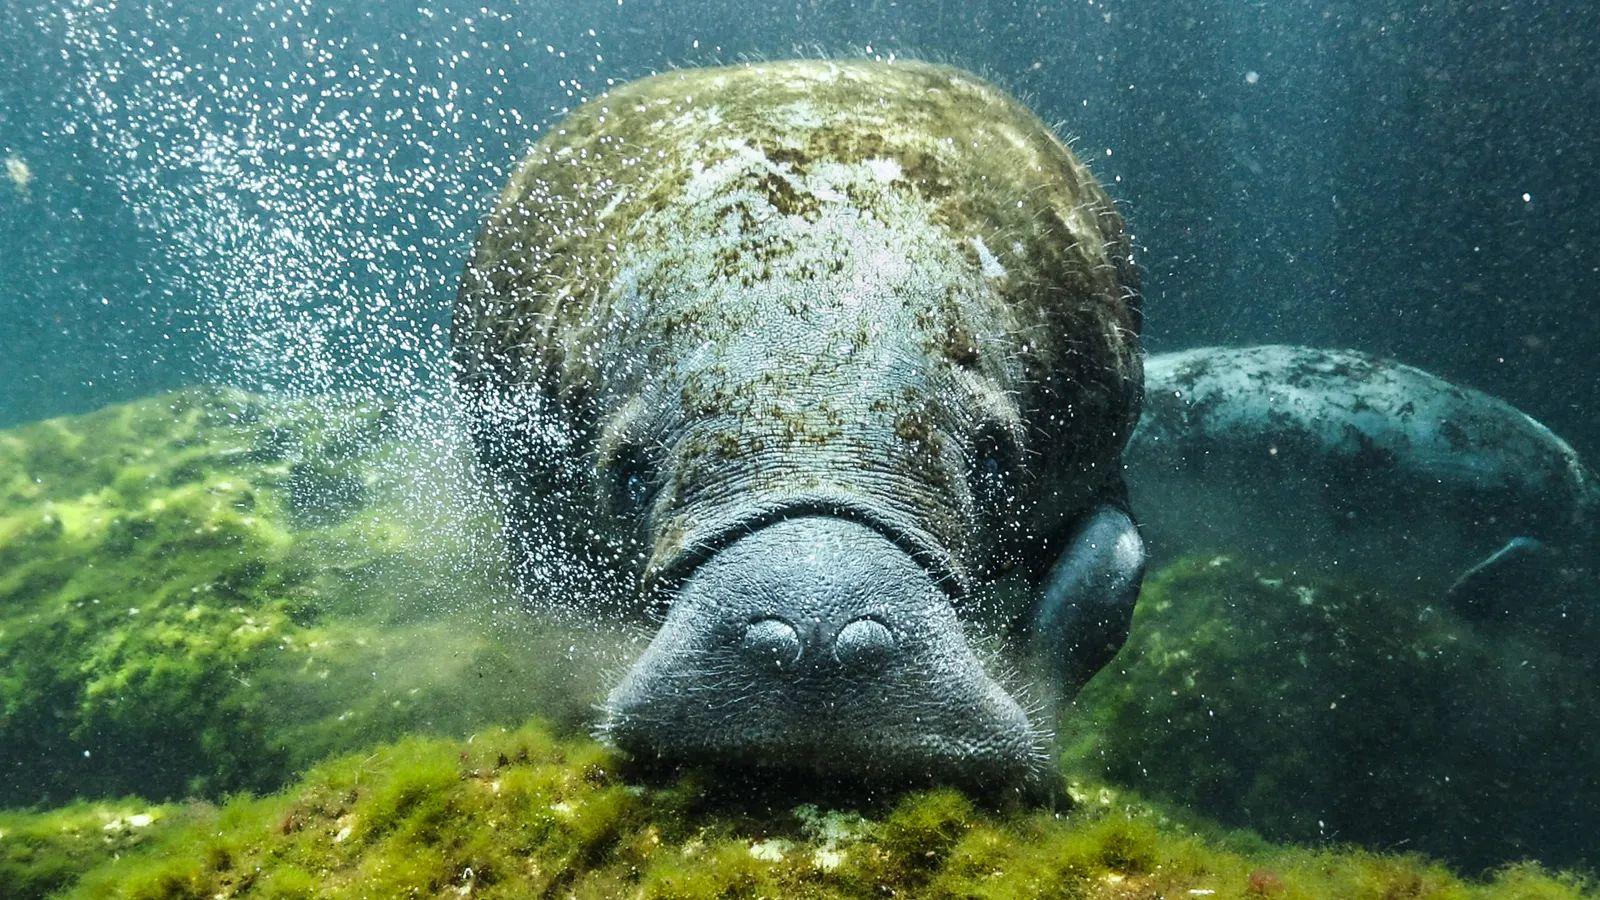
column 281, row 193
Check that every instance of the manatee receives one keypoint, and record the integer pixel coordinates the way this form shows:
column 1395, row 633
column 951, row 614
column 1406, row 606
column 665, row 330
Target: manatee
column 797, row 357
column 1342, row 462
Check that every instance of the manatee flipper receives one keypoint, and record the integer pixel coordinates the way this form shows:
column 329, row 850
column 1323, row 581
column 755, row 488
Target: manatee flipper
column 1503, row 581
column 1087, row 605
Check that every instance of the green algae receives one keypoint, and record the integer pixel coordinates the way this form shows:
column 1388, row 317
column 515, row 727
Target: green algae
column 205, row 592
column 1313, row 712
column 41, row 853
column 519, row 813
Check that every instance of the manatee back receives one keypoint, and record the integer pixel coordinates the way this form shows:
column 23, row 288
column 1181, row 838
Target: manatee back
column 626, row 175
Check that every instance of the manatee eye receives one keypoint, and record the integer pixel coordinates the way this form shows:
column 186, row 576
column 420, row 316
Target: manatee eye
column 632, row 483
column 988, row 478
column 635, row 489
column 993, row 453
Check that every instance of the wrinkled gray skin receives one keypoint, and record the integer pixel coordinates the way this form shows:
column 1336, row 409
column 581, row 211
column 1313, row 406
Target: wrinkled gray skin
column 1350, row 464
column 798, row 355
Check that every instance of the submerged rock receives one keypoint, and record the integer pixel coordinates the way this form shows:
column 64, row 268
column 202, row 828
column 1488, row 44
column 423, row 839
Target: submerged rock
column 205, row 591
column 521, row 813
column 41, row 853
column 173, row 625
column 1313, row 712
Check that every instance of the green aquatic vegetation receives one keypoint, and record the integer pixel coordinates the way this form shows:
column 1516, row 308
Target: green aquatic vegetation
column 1312, row 713
column 41, row 853
column 205, row 592
column 518, row 813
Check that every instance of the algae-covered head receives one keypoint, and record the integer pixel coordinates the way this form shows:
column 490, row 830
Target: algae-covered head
column 799, row 354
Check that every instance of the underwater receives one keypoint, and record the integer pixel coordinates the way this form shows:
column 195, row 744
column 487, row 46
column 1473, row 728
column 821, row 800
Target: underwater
column 694, row 448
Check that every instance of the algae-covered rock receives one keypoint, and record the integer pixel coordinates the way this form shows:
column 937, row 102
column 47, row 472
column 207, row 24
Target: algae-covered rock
column 206, row 591
column 41, row 853
column 1311, row 713
column 209, row 592
column 521, row 813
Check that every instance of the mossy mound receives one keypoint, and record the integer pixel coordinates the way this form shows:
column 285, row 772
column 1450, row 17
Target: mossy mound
column 521, row 813
column 1311, row 713
column 41, row 853
column 205, row 592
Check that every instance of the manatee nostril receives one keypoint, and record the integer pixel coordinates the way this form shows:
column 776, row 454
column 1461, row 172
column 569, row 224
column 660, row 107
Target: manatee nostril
column 772, row 643
column 864, row 644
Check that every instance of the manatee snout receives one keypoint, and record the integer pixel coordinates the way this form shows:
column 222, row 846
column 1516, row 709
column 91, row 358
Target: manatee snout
column 818, row 643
